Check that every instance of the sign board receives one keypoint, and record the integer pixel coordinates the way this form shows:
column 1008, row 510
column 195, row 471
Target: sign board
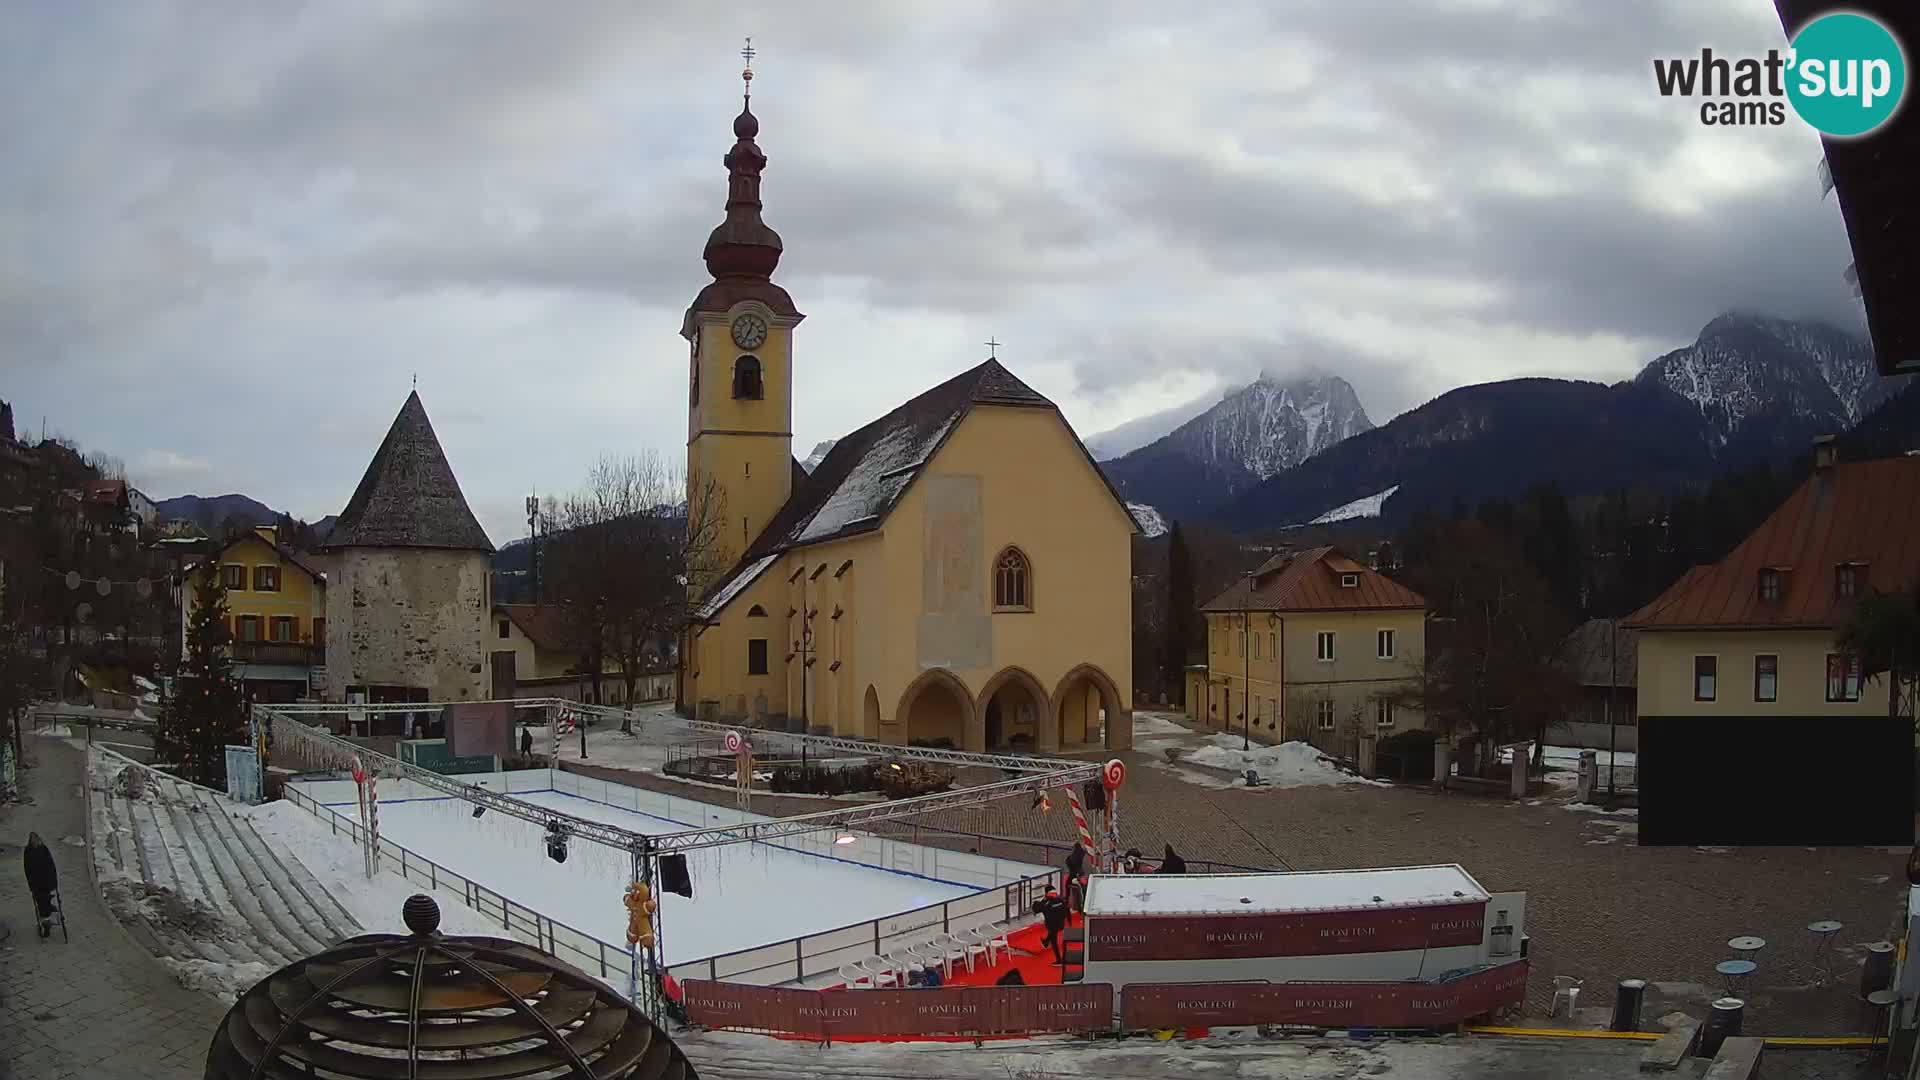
column 961, row 1010
column 243, row 774
column 478, row 728
column 1151, row 1006
column 433, row 754
column 1307, row 933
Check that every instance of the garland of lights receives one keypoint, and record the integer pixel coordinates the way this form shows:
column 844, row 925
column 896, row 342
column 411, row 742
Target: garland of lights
column 143, row 587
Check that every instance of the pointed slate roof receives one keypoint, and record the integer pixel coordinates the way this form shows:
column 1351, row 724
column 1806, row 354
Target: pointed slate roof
column 863, row 477
column 409, row 498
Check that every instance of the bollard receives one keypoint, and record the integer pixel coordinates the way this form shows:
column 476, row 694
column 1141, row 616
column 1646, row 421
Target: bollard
column 1722, row 1024
column 1877, row 972
column 1626, row 1004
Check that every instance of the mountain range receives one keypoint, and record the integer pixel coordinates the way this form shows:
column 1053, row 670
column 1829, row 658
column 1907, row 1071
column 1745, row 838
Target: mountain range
column 1750, row 388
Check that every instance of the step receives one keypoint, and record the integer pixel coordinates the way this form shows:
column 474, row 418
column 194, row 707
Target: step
column 329, row 914
column 1738, row 1059
column 278, row 913
column 1665, row 1053
column 251, row 893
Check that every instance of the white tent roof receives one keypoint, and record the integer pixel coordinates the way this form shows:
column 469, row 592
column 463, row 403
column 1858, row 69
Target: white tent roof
column 1261, row 894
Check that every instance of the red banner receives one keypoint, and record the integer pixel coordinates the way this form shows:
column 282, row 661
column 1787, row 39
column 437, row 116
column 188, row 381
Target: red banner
column 967, row 1010
column 1312, row 933
column 1149, row 1006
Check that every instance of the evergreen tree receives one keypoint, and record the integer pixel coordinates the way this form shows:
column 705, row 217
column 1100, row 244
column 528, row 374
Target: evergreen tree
column 204, row 714
column 1181, row 612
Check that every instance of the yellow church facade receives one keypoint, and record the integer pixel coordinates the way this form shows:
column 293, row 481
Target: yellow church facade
column 956, row 572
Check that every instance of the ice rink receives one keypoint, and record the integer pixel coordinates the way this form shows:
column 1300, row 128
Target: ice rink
column 744, row 895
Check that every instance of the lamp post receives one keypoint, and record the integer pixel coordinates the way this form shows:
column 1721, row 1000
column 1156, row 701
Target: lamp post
column 533, row 544
column 1246, row 667
column 1613, row 690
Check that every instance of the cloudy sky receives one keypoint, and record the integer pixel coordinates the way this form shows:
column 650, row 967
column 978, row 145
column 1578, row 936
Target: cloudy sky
column 233, row 231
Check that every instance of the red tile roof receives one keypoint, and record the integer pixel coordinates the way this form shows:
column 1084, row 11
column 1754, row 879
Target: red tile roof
column 1310, row 581
column 1865, row 513
column 545, row 625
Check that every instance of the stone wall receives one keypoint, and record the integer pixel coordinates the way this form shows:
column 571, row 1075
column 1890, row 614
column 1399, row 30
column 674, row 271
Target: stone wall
column 412, row 617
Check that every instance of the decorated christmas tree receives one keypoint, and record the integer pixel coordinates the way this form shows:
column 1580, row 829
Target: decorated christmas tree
column 204, row 715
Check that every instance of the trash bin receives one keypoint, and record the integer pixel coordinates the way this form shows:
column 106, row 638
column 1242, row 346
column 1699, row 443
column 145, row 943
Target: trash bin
column 1626, row 1004
column 1722, row 1023
column 1877, row 972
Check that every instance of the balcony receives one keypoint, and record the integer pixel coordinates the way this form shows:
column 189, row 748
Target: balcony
column 295, row 653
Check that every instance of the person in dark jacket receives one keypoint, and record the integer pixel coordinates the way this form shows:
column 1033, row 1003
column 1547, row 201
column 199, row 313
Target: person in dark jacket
column 1173, row 863
column 1053, row 912
column 526, row 741
column 42, row 880
column 1076, row 874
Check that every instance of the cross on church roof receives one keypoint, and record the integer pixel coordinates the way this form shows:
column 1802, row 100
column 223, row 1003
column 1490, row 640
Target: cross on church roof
column 746, row 74
column 993, row 349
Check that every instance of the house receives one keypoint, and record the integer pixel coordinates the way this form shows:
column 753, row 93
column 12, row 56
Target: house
column 1311, row 645
column 1753, row 635
column 533, row 653
column 410, row 595
column 276, row 614
column 955, row 572
column 1601, row 657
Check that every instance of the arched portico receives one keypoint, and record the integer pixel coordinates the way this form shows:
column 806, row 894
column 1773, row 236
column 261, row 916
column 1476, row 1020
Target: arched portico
column 1087, row 713
column 1013, row 707
column 937, row 705
column 870, row 713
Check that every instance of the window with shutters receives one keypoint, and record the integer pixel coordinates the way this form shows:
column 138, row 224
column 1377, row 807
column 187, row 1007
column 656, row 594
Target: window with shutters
column 266, row 579
column 249, row 628
column 1706, row 671
column 233, row 576
column 281, row 628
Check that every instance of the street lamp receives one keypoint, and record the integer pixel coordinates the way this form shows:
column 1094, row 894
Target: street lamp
column 1246, row 667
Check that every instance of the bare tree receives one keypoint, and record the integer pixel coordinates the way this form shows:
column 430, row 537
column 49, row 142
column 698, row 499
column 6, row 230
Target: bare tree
column 620, row 559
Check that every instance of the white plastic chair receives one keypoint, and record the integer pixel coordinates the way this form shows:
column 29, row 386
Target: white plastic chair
column 877, row 967
column 856, row 977
column 952, row 950
column 993, row 937
column 905, row 962
column 1565, row 988
column 970, row 942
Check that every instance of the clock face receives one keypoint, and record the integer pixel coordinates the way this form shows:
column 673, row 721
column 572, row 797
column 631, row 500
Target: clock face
column 749, row 331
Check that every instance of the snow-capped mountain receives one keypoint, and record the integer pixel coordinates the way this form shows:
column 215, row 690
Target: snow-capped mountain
column 1249, row 435
column 812, row 461
column 1748, row 370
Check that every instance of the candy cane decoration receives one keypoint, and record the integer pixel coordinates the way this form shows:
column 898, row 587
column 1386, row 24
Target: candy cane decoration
column 1080, row 820
column 373, row 829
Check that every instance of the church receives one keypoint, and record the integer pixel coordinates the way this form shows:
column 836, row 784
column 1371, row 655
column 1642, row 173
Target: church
column 955, row 573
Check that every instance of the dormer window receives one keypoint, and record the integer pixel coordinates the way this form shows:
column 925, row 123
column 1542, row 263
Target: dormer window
column 1349, row 581
column 1847, row 578
column 1770, row 585
column 746, row 379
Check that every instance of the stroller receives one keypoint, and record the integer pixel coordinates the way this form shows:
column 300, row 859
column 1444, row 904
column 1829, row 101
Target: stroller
column 56, row 916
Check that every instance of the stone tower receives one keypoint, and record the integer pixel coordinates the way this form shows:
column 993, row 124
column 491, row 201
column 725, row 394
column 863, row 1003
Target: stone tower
column 409, row 605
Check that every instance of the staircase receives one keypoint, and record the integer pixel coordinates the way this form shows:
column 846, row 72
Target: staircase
column 202, row 880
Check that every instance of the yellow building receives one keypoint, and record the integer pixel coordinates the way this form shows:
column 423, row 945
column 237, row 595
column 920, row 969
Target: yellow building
column 533, row 653
column 956, row 571
column 1753, row 635
column 1311, row 646
column 276, row 614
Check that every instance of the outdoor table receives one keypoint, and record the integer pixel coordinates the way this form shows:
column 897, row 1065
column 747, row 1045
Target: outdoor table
column 1882, row 1002
column 1822, row 934
column 1735, row 972
column 1746, row 945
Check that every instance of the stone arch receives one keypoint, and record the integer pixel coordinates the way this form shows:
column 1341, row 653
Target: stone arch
column 935, row 705
column 870, row 713
column 1071, row 696
column 1009, row 689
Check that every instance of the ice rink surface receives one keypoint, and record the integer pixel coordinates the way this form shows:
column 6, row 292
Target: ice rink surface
column 744, row 895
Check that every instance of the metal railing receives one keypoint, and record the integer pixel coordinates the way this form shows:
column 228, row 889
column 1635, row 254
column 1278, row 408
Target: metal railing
column 609, row 961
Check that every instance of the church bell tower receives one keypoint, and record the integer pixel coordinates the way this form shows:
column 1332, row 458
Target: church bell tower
column 739, row 332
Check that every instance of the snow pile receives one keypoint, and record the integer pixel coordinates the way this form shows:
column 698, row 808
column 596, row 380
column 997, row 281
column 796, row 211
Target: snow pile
column 1590, row 808
column 1367, row 507
column 165, row 910
column 1288, row 765
column 224, row 981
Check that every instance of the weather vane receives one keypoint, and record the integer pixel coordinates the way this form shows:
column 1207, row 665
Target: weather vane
column 746, row 74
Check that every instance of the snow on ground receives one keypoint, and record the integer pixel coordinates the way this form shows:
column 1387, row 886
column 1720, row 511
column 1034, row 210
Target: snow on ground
column 1288, row 765
column 744, row 894
column 224, row 981
column 1368, row 507
column 1589, row 808
column 336, row 863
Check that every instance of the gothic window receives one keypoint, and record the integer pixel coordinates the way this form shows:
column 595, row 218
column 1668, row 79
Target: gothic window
column 746, row 378
column 756, row 612
column 1012, row 581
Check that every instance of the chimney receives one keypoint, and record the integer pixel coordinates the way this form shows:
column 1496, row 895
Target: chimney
column 1826, row 453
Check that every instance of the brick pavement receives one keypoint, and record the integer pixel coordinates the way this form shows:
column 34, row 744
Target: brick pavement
column 98, row 1006
column 1600, row 908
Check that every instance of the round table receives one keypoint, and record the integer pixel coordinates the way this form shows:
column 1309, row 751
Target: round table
column 1735, row 972
column 1746, row 945
column 1881, row 1001
column 1823, row 933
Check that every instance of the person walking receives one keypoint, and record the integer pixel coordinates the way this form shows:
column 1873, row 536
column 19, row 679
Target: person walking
column 526, row 740
column 1053, row 912
column 43, row 880
column 1077, row 876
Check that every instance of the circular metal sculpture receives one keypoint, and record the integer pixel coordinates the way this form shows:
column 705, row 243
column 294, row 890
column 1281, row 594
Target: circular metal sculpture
column 424, row 1005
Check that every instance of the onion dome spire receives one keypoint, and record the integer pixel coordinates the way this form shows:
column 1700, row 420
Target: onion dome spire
column 743, row 245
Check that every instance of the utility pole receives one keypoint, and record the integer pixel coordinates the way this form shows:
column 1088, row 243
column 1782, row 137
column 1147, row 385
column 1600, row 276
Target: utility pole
column 1613, row 689
column 533, row 543
column 1246, row 667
